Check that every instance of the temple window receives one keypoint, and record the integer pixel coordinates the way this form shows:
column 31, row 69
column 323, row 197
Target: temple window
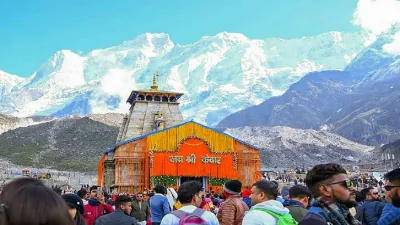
column 164, row 99
column 149, row 98
column 156, row 98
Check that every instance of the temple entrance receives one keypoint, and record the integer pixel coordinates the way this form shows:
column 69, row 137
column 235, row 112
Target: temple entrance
column 186, row 179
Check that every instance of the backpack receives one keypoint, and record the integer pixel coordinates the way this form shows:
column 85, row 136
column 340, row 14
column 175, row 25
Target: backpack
column 193, row 218
column 286, row 219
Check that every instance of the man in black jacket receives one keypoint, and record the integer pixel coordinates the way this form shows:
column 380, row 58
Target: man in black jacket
column 120, row 216
column 333, row 195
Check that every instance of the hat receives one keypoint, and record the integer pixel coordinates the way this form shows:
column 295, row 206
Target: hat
column 233, row 187
column 74, row 201
column 246, row 193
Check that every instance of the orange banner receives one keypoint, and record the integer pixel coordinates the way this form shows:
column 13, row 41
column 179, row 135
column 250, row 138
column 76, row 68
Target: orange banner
column 194, row 158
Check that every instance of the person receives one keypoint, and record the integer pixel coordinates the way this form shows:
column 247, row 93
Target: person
column 284, row 193
column 159, row 205
column 390, row 214
column 121, row 215
column 57, row 190
column 371, row 210
column 215, row 199
column 333, row 195
column 140, row 209
column 171, row 196
column 233, row 209
column 83, row 195
column 393, row 184
column 246, row 197
column 208, row 206
column 190, row 196
column 96, row 206
column 266, row 210
column 26, row 201
column 298, row 201
column 280, row 195
column 76, row 207
column 360, row 198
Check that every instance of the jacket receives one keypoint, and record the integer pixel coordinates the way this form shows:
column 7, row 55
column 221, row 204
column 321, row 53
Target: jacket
column 142, row 212
column 118, row 217
column 257, row 217
column 94, row 209
column 159, row 206
column 318, row 216
column 232, row 211
column 247, row 201
column 390, row 215
column 370, row 212
column 296, row 209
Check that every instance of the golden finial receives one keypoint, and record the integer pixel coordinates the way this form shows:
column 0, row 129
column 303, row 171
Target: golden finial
column 155, row 86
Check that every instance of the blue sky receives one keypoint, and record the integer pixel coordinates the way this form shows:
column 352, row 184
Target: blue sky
column 32, row 31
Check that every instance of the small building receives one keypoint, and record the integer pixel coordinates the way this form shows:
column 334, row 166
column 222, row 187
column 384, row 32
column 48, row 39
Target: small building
column 170, row 153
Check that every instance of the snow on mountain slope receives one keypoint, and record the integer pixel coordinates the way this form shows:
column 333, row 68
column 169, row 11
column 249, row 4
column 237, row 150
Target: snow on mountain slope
column 8, row 82
column 218, row 74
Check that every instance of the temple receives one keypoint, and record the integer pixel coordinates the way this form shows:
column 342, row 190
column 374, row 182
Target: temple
column 150, row 110
column 155, row 146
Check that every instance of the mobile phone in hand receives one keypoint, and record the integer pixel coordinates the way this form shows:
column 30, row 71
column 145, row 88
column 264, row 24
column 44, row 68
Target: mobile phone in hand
column 99, row 192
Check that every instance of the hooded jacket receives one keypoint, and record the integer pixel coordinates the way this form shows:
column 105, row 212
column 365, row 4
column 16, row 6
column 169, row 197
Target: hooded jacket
column 257, row 217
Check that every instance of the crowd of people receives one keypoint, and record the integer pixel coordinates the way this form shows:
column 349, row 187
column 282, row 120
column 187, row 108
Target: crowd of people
column 328, row 197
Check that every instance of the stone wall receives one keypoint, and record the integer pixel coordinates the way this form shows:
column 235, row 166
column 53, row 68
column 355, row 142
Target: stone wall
column 141, row 119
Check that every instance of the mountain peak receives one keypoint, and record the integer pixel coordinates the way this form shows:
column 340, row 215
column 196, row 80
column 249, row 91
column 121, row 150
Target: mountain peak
column 232, row 36
column 226, row 37
column 8, row 82
column 149, row 39
column 9, row 77
column 257, row 68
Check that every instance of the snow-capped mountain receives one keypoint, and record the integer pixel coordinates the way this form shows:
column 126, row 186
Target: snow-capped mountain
column 8, row 82
column 361, row 103
column 218, row 74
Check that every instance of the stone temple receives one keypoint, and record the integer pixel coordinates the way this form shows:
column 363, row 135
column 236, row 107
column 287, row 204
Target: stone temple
column 155, row 146
column 151, row 110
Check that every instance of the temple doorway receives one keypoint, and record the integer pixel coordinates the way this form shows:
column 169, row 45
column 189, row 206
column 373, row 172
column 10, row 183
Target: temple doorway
column 199, row 179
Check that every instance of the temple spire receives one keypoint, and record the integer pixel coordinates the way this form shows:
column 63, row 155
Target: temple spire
column 155, row 86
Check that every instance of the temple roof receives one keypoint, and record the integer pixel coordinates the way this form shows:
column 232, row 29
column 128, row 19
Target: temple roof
column 153, row 90
column 177, row 125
